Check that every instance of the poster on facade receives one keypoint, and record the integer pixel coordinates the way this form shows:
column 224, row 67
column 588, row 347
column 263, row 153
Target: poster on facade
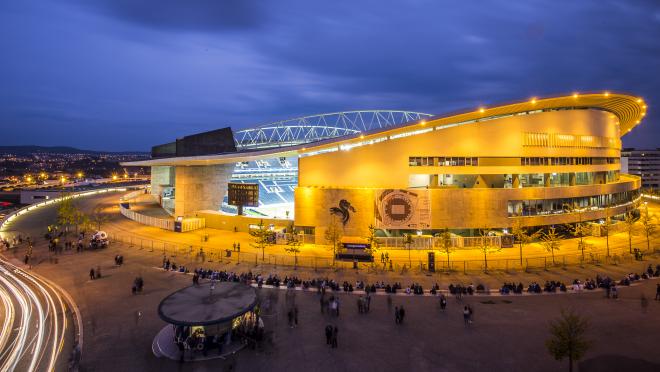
column 403, row 209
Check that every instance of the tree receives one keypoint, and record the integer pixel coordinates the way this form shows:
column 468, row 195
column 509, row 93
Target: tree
column 333, row 236
column 578, row 229
column 649, row 227
column 293, row 245
column 522, row 236
column 98, row 217
column 607, row 224
column 629, row 220
column 408, row 241
column 263, row 238
column 551, row 241
column 486, row 246
column 568, row 337
column 374, row 245
column 446, row 246
column 67, row 213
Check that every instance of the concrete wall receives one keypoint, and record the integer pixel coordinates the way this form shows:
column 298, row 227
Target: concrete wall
column 217, row 220
column 386, row 164
column 200, row 187
column 450, row 207
column 312, row 208
column 37, row 196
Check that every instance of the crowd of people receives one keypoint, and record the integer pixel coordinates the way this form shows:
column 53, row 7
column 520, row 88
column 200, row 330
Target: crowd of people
column 458, row 290
column 14, row 241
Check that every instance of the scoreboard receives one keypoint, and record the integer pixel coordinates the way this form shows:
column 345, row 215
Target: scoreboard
column 243, row 194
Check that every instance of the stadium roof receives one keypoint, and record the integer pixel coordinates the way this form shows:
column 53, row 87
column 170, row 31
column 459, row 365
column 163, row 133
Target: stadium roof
column 628, row 109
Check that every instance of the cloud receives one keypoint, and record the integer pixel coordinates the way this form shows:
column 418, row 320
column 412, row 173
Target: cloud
column 192, row 15
column 162, row 69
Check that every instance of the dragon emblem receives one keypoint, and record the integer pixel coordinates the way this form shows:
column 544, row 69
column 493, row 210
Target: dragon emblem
column 343, row 210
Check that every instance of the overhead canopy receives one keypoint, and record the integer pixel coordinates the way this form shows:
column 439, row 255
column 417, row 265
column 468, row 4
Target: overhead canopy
column 198, row 305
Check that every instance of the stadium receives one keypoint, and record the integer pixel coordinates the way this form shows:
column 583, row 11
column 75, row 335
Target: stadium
column 537, row 162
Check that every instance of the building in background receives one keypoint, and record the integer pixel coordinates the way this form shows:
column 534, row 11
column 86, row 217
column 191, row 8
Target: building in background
column 642, row 163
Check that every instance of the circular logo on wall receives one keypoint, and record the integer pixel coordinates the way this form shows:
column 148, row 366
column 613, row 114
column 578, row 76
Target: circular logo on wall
column 398, row 208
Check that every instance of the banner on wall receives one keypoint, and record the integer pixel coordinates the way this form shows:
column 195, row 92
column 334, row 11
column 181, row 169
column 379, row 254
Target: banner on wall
column 403, row 209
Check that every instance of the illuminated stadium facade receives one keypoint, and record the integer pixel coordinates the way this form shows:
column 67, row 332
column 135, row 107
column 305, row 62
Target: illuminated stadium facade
column 537, row 162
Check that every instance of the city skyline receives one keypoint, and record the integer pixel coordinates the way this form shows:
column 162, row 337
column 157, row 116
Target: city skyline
column 144, row 73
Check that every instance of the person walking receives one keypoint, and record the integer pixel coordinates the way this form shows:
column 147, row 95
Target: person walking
column 328, row 334
column 397, row 318
column 92, row 275
column 443, row 302
column 466, row 315
column 335, row 330
column 289, row 315
column 471, row 313
column 645, row 303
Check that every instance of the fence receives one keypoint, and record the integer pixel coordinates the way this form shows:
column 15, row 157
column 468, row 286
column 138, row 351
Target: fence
column 187, row 224
column 166, row 224
column 196, row 255
column 428, row 243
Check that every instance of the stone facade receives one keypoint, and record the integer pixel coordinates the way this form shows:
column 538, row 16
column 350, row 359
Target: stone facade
column 200, row 187
column 161, row 177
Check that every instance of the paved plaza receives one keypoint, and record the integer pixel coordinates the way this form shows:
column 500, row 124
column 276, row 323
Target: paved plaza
column 508, row 333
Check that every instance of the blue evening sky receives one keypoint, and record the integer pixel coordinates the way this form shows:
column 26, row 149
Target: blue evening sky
column 127, row 74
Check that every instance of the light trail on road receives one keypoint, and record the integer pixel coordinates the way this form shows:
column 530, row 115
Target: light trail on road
column 34, row 321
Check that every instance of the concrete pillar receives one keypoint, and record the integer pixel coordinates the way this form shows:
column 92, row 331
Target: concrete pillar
column 161, row 177
column 433, row 181
column 200, row 187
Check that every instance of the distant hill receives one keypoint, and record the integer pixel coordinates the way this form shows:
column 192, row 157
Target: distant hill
column 30, row 149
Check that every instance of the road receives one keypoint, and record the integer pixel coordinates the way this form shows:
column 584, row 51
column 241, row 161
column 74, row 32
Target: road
column 35, row 322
